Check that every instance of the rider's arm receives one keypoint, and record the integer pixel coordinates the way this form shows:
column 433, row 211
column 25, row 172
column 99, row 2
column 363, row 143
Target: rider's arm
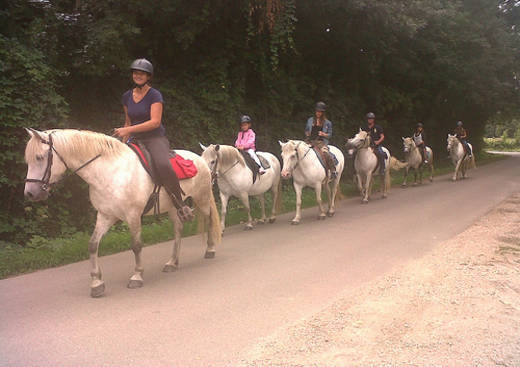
column 308, row 127
column 380, row 140
column 250, row 140
column 327, row 130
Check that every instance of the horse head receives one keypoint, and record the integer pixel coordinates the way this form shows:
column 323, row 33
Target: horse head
column 360, row 140
column 42, row 168
column 408, row 144
column 289, row 157
column 210, row 155
column 452, row 142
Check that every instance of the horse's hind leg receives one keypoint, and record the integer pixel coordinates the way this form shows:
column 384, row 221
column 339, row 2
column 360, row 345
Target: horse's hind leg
column 405, row 176
column 134, row 223
column 331, row 192
column 103, row 224
column 173, row 263
column 261, row 198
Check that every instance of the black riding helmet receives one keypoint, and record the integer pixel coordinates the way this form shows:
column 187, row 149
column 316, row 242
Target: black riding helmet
column 321, row 107
column 419, row 124
column 244, row 119
column 459, row 123
column 371, row 115
column 142, row 65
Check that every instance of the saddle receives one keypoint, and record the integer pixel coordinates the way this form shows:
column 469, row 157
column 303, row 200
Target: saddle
column 253, row 166
column 321, row 158
column 385, row 156
column 183, row 168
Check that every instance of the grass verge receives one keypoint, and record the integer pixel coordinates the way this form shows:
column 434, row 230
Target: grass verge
column 43, row 253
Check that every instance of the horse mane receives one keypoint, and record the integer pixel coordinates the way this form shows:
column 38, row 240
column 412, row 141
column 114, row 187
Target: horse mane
column 229, row 155
column 296, row 144
column 77, row 144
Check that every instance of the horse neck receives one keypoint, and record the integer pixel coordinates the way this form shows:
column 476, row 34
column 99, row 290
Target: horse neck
column 414, row 153
column 457, row 150
column 228, row 157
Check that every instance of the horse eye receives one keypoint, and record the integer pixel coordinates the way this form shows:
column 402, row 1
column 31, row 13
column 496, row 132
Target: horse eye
column 212, row 162
column 39, row 157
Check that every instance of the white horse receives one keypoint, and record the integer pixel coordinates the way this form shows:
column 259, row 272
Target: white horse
column 365, row 165
column 460, row 159
column 414, row 160
column 300, row 162
column 234, row 178
column 119, row 190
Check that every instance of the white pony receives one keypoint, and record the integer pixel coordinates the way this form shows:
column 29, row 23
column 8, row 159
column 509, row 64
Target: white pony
column 300, row 162
column 365, row 165
column 414, row 160
column 119, row 190
column 234, row 178
column 460, row 159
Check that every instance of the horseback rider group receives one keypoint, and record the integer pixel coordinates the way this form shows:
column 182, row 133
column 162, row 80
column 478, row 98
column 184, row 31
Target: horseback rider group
column 143, row 107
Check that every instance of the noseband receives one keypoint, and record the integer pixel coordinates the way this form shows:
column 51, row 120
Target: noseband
column 45, row 184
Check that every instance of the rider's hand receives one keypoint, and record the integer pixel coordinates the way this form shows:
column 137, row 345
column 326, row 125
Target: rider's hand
column 122, row 131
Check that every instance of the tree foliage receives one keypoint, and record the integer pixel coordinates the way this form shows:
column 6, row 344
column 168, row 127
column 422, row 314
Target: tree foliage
column 65, row 63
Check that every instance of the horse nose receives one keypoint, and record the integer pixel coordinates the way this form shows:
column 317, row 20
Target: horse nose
column 29, row 195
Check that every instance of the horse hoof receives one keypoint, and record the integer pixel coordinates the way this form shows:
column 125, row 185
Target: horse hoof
column 135, row 283
column 209, row 255
column 330, row 214
column 364, row 201
column 272, row 220
column 248, row 227
column 384, row 196
column 98, row 290
column 403, row 185
column 322, row 216
column 169, row 268
column 295, row 222
column 261, row 221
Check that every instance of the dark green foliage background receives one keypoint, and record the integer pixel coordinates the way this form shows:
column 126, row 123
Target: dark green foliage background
column 65, row 63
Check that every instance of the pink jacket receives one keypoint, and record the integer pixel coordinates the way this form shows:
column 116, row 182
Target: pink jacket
column 246, row 139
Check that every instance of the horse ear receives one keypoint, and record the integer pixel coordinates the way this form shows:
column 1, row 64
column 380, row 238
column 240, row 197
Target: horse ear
column 34, row 133
column 202, row 146
column 281, row 144
column 402, row 137
column 217, row 148
column 360, row 129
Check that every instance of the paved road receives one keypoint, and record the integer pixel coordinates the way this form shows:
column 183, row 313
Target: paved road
column 210, row 310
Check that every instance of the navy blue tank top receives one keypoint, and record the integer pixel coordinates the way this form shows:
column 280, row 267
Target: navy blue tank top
column 140, row 112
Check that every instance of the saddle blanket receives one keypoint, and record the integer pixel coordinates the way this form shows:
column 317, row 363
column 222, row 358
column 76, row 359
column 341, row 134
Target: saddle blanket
column 320, row 158
column 184, row 168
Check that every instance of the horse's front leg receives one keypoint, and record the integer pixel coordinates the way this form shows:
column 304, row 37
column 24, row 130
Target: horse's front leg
column 431, row 172
column 134, row 223
column 368, row 184
column 173, row 263
column 298, row 216
column 261, row 198
column 360, row 184
column 317, row 190
column 405, row 176
column 103, row 224
column 415, row 175
column 275, row 190
column 244, row 198
column 456, row 173
column 224, row 201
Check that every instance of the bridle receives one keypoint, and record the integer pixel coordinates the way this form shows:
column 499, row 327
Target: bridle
column 298, row 159
column 45, row 184
column 214, row 174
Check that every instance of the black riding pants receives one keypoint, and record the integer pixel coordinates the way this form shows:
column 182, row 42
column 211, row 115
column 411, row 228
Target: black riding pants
column 159, row 149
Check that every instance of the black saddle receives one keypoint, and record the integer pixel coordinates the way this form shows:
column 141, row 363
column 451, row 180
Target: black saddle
column 253, row 166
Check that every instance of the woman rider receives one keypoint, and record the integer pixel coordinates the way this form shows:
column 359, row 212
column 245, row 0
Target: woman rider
column 462, row 135
column 143, row 106
column 319, row 131
column 419, row 137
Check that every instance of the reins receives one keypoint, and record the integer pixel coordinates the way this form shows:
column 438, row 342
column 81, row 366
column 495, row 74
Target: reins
column 45, row 180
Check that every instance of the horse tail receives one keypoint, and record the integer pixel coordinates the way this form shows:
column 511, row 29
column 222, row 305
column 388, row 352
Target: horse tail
column 396, row 165
column 278, row 205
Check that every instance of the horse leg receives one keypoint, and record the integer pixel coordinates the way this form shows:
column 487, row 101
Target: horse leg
column 415, row 176
column 360, row 184
column 224, row 201
column 368, row 187
column 405, row 176
column 275, row 190
column 244, row 198
column 136, row 280
column 103, row 224
column 331, row 193
column 173, row 263
column 298, row 190
column 431, row 171
column 456, row 173
column 317, row 190
column 261, row 198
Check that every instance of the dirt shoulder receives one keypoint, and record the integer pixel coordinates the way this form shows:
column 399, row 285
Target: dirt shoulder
column 457, row 306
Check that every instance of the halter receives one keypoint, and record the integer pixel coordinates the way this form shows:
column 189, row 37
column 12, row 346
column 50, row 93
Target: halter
column 45, row 184
column 298, row 159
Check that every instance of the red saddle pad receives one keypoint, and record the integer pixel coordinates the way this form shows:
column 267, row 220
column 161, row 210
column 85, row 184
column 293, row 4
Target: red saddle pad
column 184, row 168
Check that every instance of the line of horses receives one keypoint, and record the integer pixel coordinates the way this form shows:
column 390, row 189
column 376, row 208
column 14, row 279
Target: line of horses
column 119, row 186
